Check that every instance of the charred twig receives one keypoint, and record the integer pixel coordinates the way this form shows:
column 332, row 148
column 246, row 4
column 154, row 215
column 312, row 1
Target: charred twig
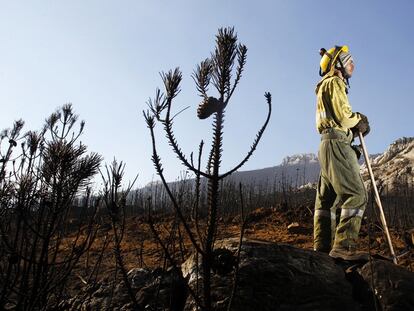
column 242, row 230
column 218, row 70
column 115, row 204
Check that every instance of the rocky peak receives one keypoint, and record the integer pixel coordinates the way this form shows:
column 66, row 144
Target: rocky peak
column 300, row 159
column 401, row 148
column 394, row 168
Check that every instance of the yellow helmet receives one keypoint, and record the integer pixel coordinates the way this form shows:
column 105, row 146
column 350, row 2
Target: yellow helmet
column 329, row 58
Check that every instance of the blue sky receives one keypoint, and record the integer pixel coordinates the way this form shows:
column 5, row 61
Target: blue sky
column 105, row 57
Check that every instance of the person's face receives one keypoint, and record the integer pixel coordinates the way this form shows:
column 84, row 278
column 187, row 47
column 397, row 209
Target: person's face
column 349, row 68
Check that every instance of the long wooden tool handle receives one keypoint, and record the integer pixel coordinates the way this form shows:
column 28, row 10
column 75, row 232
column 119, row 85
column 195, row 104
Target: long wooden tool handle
column 377, row 197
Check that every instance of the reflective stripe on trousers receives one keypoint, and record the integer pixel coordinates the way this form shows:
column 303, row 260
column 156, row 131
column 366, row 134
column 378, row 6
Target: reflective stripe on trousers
column 324, row 213
column 352, row 212
column 346, row 212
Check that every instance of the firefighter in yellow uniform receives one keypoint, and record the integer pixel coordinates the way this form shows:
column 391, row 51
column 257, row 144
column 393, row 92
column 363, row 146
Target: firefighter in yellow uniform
column 340, row 180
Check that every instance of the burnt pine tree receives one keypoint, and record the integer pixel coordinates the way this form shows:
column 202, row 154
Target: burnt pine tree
column 39, row 245
column 223, row 71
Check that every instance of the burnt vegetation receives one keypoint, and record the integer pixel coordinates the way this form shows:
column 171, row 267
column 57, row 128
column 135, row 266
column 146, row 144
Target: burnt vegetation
column 223, row 69
column 60, row 239
column 38, row 186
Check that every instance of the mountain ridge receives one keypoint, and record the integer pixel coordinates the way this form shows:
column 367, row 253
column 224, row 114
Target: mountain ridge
column 391, row 168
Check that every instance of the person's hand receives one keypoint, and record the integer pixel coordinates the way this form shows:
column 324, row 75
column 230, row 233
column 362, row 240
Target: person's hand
column 362, row 126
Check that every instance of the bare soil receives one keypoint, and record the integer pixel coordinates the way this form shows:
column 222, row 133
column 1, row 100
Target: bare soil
column 139, row 248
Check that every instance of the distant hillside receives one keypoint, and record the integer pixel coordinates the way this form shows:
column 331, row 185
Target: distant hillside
column 394, row 168
column 295, row 170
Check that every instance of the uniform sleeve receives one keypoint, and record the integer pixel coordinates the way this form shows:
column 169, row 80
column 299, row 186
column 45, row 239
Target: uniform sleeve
column 340, row 104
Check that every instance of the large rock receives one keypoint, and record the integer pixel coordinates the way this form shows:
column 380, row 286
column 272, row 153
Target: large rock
column 393, row 285
column 281, row 277
column 277, row 277
column 271, row 277
column 154, row 290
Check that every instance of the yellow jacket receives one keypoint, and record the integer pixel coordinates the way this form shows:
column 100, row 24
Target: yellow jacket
column 332, row 108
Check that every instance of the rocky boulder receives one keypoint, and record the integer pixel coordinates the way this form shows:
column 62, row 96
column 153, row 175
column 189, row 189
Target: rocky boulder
column 281, row 277
column 393, row 285
column 154, row 290
column 270, row 276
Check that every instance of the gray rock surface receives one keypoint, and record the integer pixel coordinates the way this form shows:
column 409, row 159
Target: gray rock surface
column 155, row 290
column 278, row 277
column 393, row 285
column 271, row 277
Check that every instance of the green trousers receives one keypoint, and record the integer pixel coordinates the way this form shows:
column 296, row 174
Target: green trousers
column 340, row 184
